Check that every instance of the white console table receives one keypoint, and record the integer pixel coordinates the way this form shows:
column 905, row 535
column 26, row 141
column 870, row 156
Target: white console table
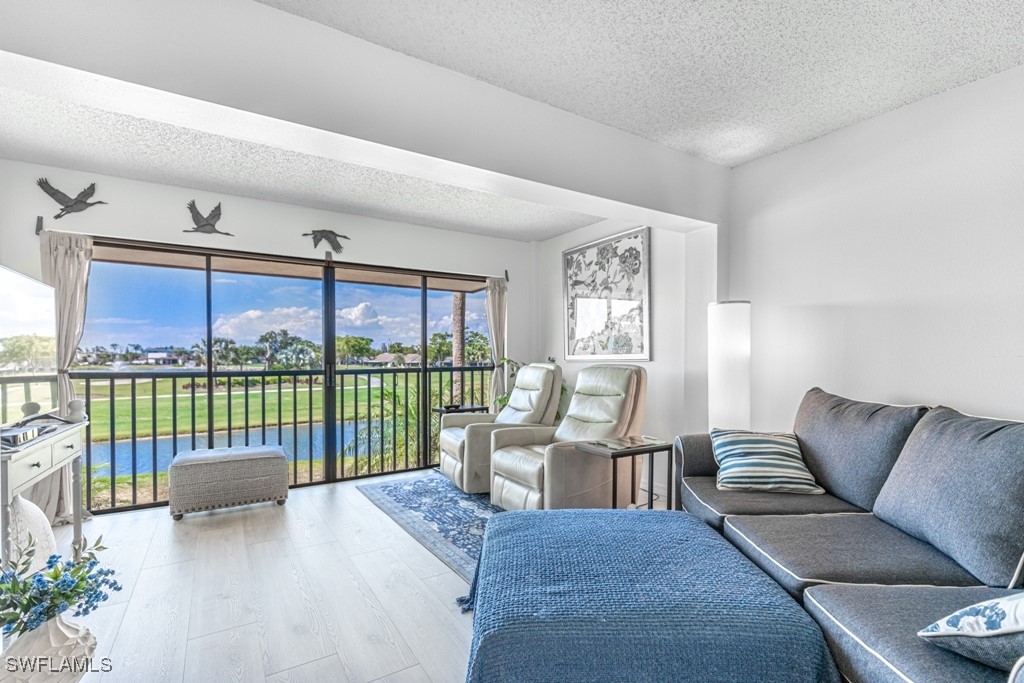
column 30, row 463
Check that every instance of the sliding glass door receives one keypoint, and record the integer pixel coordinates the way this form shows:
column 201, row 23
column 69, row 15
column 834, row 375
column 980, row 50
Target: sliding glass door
column 343, row 366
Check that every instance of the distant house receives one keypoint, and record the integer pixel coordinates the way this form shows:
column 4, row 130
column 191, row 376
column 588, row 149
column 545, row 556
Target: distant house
column 391, row 360
column 160, row 358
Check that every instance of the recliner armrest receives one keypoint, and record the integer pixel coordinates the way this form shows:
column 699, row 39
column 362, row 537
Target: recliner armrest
column 694, row 456
column 521, row 436
column 466, row 419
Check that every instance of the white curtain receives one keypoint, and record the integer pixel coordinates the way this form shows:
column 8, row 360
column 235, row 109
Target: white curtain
column 66, row 262
column 497, row 293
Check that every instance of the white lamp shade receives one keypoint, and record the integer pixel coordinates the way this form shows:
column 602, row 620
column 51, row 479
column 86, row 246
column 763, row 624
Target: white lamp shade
column 729, row 365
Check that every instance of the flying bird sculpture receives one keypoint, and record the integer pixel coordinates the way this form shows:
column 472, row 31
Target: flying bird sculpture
column 206, row 224
column 328, row 236
column 69, row 205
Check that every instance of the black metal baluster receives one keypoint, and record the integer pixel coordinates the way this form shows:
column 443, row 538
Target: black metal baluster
column 88, row 445
column 192, row 391
column 295, row 429
column 311, row 427
column 113, row 445
column 174, row 417
column 381, row 433
column 405, row 411
column 230, row 380
column 355, row 424
column 152, row 390
column 280, row 424
column 341, row 421
column 394, row 421
column 245, row 384
column 3, row 403
column 472, row 387
column 369, row 426
column 135, row 468
column 263, row 409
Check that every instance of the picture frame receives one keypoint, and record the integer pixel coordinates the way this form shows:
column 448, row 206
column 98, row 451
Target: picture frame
column 606, row 298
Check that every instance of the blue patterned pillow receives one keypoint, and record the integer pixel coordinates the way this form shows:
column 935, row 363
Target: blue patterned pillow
column 751, row 461
column 991, row 632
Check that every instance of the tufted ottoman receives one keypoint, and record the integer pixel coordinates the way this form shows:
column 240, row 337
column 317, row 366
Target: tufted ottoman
column 221, row 477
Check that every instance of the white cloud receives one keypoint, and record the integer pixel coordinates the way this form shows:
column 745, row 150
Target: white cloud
column 245, row 327
column 224, row 281
column 360, row 315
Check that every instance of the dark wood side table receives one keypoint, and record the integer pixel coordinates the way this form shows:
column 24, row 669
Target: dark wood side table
column 626, row 449
column 444, row 410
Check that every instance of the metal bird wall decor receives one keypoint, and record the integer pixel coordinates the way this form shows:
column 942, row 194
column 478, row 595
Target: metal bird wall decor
column 69, row 205
column 328, row 236
column 206, row 224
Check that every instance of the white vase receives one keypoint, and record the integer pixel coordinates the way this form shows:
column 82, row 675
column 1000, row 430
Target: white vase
column 68, row 647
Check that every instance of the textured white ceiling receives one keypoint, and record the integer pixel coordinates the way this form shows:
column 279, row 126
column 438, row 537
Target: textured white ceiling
column 53, row 132
column 726, row 80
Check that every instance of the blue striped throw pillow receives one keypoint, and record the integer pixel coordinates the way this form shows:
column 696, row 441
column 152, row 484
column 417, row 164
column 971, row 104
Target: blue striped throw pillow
column 752, row 461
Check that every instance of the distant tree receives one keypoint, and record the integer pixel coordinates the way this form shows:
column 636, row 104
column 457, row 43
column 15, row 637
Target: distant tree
column 28, row 350
column 225, row 351
column 350, row 348
column 303, row 354
column 439, row 347
column 397, row 347
column 478, row 346
column 101, row 356
column 277, row 344
column 248, row 354
column 458, row 329
column 199, row 352
column 131, row 353
column 180, row 353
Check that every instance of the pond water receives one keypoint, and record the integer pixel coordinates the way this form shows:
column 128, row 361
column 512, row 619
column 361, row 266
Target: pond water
column 301, row 444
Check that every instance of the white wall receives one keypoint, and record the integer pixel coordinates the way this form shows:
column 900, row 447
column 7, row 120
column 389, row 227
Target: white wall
column 884, row 261
column 682, row 283
column 146, row 211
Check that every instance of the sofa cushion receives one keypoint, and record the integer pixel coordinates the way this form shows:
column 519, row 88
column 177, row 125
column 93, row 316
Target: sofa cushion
column 752, row 461
column 701, row 497
column 958, row 485
column 802, row 550
column 850, row 446
column 871, row 631
column 990, row 632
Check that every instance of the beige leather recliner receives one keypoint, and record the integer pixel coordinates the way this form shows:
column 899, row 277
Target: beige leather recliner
column 535, row 468
column 466, row 438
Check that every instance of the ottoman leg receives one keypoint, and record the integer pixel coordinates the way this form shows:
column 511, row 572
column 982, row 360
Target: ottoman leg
column 176, row 517
column 282, row 501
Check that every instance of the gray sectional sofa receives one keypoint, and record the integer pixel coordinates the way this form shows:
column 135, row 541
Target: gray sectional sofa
column 923, row 514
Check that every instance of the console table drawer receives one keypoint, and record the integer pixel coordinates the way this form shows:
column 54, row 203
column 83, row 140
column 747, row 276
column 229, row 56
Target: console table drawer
column 67, row 447
column 29, row 467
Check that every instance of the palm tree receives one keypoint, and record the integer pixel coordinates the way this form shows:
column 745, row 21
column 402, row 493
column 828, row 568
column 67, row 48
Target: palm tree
column 200, row 352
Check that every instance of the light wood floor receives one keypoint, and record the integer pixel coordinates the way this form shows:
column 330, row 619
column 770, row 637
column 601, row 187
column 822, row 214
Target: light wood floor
column 325, row 588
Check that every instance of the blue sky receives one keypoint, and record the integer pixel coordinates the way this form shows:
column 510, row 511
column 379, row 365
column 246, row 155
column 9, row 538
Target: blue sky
column 166, row 307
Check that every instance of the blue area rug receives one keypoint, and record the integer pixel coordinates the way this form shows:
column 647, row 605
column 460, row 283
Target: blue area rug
column 447, row 521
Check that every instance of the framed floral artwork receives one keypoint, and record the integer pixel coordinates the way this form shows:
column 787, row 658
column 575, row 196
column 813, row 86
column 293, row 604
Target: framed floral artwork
column 606, row 288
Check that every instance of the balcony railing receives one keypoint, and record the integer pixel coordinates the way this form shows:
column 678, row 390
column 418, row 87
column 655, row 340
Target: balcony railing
column 139, row 420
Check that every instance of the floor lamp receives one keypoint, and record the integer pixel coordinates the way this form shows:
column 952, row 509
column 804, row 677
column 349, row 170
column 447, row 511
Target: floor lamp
column 729, row 365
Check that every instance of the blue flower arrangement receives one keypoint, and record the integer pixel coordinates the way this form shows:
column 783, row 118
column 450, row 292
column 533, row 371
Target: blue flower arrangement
column 27, row 601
